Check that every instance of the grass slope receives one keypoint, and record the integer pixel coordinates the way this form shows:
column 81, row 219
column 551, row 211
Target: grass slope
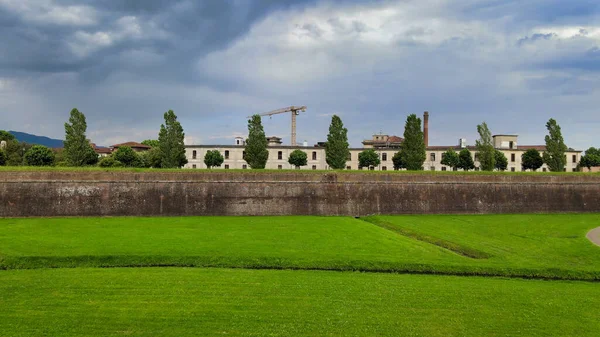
column 536, row 246
column 338, row 243
column 556, row 243
column 211, row 302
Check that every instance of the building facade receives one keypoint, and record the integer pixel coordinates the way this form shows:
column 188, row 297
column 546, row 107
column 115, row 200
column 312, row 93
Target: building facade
column 386, row 146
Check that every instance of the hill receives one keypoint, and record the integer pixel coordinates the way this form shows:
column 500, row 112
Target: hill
column 38, row 140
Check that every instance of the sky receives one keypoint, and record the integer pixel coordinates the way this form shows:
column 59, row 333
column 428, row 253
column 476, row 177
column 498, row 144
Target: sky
column 511, row 63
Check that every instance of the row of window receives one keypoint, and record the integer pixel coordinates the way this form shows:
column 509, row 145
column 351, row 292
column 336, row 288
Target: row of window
column 226, row 155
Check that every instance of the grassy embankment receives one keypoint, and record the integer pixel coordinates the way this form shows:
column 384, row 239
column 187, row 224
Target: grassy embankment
column 536, row 246
column 270, row 171
column 213, row 302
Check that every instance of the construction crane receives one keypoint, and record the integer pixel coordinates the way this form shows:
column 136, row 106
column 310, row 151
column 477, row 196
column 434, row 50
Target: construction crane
column 295, row 110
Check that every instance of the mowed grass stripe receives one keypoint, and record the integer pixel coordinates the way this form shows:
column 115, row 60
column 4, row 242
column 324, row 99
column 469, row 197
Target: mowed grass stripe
column 457, row 248
column 527, row 246
column 211, row 302
column 290, row 241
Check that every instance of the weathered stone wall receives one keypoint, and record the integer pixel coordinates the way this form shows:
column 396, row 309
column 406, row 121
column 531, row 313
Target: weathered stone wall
column 83, row 193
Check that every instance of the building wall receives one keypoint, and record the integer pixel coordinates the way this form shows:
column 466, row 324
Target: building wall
column 188, row 192
column 235, row 159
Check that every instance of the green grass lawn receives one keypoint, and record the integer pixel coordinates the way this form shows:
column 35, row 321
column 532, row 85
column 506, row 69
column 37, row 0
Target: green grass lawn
column 214, row 302
column 253, row 242
column 516, row 241
column 541, row 246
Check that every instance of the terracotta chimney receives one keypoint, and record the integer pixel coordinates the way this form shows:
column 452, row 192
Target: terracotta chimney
column 426, row 128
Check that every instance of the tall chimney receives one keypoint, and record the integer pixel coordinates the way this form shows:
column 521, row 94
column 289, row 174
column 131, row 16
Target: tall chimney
column 426, row 128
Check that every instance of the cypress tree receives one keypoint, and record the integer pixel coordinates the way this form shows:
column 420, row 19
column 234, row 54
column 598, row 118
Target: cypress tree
column 336, row 148
column 485, row 148
column 77, row 148
column 413, row 146
column 256, row 144
column 170, row 142
column 554, row 156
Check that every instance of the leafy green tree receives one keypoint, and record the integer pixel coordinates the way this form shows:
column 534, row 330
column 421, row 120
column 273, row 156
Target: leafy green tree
column 450, row 158
column 77, row 148
column 213, row 158
column 126, row 156
column 151, row 142
column 591, row 158
column 39, row 155
column 485, row 148
column 336, row 148
column 298, row 158
column 256, row 144
column 151, row 158
column 501, row 162
column 170, row 142
column 554, row 156
column 2, row 157
column 109, row 161
column 465, row 160
column 531, row 160
column 413, row 146
column 397, row 160
column 368, row 158
column 6, row 136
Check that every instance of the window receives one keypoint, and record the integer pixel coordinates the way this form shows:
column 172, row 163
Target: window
column 279, row 155
column 226, row 154
column 372, row 168
column 544, row 170
column 512, row 157
column 314, row 155
column 349, row 157
column 432, row 157
column 574, row 158
column 244, row 155
column 194, row 166
column 227, row 166
column 314, row 167
column 432, row 168
column 455, row 169
column 443, row 168
column 384, row 168
column 565, row 169
column 279, row 167
column 511, row 145
column 244, row 166
column 477, row 156
column 194, row 154
column 384, row 156
column 348, row 168
column 512, row 169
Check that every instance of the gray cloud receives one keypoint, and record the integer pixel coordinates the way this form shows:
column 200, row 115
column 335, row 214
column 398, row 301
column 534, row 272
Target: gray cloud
column 123, row 63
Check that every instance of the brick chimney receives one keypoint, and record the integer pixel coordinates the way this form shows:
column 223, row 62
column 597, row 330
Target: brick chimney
column 426, row 128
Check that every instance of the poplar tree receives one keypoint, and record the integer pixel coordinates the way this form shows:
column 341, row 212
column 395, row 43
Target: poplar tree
column 336, row 148
column 256, row 144
column 554, row 156
column 170, row 142
column 485, row 148
column 413, row 146
column 77, row 148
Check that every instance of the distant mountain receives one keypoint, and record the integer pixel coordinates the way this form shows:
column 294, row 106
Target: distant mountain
column 38, row 140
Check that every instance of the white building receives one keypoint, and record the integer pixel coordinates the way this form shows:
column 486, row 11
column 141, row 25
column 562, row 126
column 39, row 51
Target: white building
column 386, row 146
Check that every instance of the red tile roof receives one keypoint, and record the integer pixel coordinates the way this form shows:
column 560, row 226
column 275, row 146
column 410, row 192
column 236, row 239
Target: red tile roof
column 395, row 139
column 132, row 145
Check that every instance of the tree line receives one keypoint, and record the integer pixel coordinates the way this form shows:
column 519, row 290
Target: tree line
column 168, row 151
column 412, row 153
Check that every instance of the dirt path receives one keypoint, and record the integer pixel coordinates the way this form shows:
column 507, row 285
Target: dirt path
column 594, row 236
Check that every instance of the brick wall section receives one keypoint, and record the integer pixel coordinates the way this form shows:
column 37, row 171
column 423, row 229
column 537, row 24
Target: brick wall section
column 86, row 193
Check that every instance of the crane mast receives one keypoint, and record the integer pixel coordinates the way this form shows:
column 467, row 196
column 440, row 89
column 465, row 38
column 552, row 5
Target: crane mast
column 295, row 110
